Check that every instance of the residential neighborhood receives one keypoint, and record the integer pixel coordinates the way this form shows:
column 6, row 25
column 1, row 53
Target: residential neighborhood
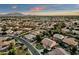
column 45, row 32
column 60, row 39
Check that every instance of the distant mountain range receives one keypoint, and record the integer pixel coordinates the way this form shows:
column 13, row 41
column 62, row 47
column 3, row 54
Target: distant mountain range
column 17, row 14
column 14, row 14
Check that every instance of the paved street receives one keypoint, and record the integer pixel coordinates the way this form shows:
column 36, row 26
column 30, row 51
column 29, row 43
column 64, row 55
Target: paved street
column 31, row 48
column 25, row 41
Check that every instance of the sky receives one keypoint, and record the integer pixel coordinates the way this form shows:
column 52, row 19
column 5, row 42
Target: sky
column 40, row 9
column 37, row 7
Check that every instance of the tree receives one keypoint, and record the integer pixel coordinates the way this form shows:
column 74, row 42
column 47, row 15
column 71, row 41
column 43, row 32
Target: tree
column 73, row 50
column 45, row 33
column 62, row 24
column 8, row 39
column 50, row 32
column 57, row 28
column 4, row 28
column 12, row 52
column 26, row 49
column 12, row 49
column 45, row 50
column 71, row 29
column 38, row 38
column 75, row 23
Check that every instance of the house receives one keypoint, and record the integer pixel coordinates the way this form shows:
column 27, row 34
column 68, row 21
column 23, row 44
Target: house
column 58, row 51
column 27, row 29
column 30, row 37
column 65, row 30
column 48, row 43
column 2, row 43
column 17, row 32
column 37, row 32
column 70, row 41
column 0, row 28
column 3, row 38
column 5, row 44
column 9, row 31
column 58, row 36
column 1, row 32
column 75, row 31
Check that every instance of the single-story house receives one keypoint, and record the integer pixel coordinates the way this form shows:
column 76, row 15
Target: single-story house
column 5, row 44
column 36, row 32
column 3, row 38
column 0, row 28
column 30, row 37
column 58, row 36
column 1, row 32
column 28, row 29
column 75, row 31
column 58, row 51
column 65, row 30
column 48, row 43
column 9, row 31
column 17, row 32
column 70, row 41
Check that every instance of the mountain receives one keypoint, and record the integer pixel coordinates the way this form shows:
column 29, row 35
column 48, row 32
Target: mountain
column 14, row 14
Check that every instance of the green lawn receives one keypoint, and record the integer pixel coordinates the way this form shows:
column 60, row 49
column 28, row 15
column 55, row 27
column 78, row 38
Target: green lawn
column 21, row 51
column 3, row 53
column 58, row 46
column 39, row 46
column 17, row 51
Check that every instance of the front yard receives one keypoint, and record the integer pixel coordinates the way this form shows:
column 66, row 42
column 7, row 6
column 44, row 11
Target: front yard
column 39, row 46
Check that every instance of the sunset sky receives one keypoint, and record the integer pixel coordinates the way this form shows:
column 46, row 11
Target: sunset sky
column 40, row 9
column 37, row 7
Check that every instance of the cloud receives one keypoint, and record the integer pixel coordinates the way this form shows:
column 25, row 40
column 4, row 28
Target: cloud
column 52, row 13
column 37, row 8
column 14, row 7
column 2, row 13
